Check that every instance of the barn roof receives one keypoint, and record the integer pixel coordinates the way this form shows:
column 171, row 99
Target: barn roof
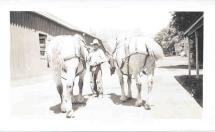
column 63, row 23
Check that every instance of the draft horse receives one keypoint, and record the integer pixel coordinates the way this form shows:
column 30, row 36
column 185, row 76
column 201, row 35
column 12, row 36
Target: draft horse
column 66, row 55
column 135, row 57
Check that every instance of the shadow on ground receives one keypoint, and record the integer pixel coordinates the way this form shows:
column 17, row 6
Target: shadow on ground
column 56, row 108
column 193, row 85
column 116, row 100
column 179, row 67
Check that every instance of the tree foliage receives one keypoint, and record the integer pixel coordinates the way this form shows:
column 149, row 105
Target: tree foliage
column 173, row 33
column 182, row 20
column 168, row 36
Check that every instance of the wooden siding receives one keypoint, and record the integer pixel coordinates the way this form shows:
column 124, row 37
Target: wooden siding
column 25, row 53
column 34, row 21
column 25, row 27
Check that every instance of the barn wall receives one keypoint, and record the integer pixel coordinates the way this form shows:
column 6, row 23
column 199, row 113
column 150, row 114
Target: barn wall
column 25, row 49
column 25, row 53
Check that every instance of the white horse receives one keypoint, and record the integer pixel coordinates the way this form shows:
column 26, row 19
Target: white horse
column 66, row 56
column 135, row 57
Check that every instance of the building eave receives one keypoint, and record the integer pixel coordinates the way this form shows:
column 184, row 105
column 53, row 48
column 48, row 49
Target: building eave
column 186, row 32
column 63, row 23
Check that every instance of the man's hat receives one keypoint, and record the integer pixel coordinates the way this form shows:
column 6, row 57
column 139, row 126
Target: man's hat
column 95, row 41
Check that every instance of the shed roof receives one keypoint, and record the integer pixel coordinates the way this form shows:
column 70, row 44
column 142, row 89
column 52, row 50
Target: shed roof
column 196, row 25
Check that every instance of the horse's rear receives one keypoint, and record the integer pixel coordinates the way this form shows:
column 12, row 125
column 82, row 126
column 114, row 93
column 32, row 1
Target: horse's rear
column 142, row 53
column 145, row 52
column 66, row 57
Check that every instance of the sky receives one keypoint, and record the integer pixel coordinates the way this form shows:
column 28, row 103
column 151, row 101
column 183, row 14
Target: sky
column 114, row 20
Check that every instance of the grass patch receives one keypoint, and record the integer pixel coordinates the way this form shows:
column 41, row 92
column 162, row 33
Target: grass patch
column 193, row 85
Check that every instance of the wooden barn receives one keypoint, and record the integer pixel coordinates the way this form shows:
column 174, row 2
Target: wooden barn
column 29, row 32
column 194, row 35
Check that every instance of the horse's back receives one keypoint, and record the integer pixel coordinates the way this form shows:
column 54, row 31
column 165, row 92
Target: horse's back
column 131, row 45
column 64, row 45
column 140, row 44
column 61, row 47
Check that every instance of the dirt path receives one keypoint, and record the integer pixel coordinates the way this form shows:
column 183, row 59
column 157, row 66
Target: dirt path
column 38, row 98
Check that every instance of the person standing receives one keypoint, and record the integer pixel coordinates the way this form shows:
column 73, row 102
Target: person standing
column 96, row 59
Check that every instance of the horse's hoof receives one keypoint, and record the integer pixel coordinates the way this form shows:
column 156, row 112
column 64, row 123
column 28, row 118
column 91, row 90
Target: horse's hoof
column 70, row 114
column 138, row 103
column 80, row 99
column 74, row 101
column 147, row 107
column 97, row 94
column 63, row 109
column 123, row 98
column 129, row 97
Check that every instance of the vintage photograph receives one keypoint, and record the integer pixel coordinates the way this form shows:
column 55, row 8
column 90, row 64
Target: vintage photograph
column 136, row 65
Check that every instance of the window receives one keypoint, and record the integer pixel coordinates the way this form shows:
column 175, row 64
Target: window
column 42, row 42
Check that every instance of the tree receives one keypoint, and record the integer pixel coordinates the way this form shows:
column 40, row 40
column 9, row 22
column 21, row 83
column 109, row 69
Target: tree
column 182, row 20
column 172, row 35
column 168, row 36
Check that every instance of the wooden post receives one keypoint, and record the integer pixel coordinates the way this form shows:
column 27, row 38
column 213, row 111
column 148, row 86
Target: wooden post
column 189, row 65
column 197, row 54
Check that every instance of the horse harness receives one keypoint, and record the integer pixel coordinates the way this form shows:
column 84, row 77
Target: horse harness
column 80, row 59
column 128, row 58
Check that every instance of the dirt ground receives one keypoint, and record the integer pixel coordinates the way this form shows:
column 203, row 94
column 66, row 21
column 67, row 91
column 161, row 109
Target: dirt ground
column 38, row 98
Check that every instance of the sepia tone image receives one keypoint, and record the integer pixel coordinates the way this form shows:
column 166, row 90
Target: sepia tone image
column 139, row 65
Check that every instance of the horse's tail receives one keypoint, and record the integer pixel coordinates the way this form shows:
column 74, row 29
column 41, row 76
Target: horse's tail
column 154, row 49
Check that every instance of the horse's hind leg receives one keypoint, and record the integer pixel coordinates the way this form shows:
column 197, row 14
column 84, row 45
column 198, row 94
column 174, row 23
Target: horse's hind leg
column 138, row 103
column 68, row 94
column 57, row 79
column 150, row 84
column 129, row 87
column 80, row 84
column 68, row 99
column 123, row 97
column 60, row 91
